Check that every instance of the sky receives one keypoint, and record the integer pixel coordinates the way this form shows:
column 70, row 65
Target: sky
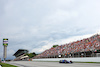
column 37, row 25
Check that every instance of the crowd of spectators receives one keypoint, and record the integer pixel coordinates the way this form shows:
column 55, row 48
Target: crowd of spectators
column 88, row 44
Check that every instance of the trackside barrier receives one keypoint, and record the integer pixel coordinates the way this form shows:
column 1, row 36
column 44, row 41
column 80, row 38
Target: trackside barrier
column 84, row 59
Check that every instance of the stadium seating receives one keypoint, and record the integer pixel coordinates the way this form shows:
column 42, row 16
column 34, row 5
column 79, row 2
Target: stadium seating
column 86, row 45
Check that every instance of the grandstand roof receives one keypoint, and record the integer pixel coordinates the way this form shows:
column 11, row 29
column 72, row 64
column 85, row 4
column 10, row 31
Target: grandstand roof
column 20, row 52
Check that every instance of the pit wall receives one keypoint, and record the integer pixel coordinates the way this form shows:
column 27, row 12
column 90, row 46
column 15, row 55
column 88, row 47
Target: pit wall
column 84, row 59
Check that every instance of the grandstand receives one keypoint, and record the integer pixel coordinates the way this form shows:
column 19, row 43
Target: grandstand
column 21, row 55
column 88, row 47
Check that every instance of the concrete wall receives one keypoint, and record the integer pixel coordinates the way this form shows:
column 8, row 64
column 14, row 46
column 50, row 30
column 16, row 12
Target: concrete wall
column 84, row 59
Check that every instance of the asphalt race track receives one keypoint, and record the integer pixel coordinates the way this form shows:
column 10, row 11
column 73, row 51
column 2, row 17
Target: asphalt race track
column 51, row 64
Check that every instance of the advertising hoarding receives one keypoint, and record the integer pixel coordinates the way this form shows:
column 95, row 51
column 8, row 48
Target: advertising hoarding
column 5, row 42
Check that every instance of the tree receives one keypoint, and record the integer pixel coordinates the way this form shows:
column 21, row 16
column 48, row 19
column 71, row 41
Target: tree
column 55, row 46
column 31, row 55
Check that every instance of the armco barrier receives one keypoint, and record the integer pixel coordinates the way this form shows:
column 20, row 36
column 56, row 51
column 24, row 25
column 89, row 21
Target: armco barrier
column 84, row 59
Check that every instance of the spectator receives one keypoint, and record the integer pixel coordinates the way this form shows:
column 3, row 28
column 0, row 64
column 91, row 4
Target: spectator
column 88, row 44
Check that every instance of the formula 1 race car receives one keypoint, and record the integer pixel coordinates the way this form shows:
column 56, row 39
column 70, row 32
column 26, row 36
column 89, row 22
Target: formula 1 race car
column 65, row 61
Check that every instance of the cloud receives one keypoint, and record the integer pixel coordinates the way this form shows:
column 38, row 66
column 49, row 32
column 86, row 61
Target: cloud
column 10, row 54
column 37, row 25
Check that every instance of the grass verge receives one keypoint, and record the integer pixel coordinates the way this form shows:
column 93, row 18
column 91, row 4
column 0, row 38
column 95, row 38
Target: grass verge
column 6, row 65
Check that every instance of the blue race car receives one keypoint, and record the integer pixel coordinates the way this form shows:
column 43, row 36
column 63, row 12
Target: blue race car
column 65, row 61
